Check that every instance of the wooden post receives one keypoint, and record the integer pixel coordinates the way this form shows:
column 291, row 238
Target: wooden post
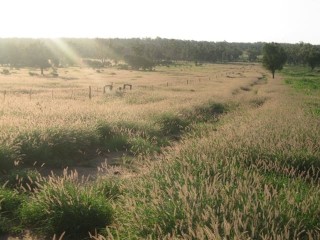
column 167, row 84
column 187, row 82
column 51, row 94
column 90, row 92
column 4, row 95
column 30, row 94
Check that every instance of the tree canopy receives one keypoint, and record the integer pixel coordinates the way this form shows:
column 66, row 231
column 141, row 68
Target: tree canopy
column 274, row 57
column 139, row 53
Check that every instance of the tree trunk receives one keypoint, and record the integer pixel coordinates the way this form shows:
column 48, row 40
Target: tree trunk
column 41, row 70
column 273, row 74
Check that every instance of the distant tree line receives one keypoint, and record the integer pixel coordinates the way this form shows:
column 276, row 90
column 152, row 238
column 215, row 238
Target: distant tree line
column 140, row 53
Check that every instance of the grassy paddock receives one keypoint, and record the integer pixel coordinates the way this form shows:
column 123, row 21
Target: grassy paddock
column 308, row 82
column 245, row 166
column 255, row 175
column 52, row 121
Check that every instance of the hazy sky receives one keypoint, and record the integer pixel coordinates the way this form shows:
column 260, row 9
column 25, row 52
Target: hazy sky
column 216, row 20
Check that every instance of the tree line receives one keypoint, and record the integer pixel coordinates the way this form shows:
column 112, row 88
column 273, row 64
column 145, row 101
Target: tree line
column 140, row 53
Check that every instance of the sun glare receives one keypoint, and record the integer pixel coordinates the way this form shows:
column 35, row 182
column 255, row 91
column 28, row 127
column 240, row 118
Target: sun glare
column 67, row 50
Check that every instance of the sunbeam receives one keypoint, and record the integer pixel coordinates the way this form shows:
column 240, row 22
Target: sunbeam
column 60, row 47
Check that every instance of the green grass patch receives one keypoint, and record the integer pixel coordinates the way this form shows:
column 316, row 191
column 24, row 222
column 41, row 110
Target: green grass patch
column 8, row 156
column 172, row 125
column 303, row 79
column 209, row 112
column 23, row 180
column 10, row 202
column 65, row 206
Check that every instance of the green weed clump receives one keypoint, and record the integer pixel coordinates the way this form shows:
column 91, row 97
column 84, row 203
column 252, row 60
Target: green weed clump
column 172, row 125
column 10, row 202
column 8, row 157
column 66, row 205
column 110, row 138
column 23, row 180
column 209, row 112
column 109, row 188
column 55, row 147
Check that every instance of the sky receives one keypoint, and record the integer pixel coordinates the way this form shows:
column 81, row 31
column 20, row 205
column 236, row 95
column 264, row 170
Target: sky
column 289, row 21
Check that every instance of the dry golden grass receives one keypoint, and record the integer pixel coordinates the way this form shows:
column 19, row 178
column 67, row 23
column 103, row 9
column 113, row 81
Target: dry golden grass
column 63, row 102
column 253, row 176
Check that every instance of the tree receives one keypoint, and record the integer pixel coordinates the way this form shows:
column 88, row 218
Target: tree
column 274, row 57
column 39, row 56
column 137, row 62
column 313, row 57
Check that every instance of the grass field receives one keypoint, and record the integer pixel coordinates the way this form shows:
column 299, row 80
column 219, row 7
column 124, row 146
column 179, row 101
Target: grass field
column 207, row 152
column 43, row 114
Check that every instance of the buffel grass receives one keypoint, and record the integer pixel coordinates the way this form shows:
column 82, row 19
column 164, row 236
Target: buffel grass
column 52, row 121
column 254, row 175
column 234, row 163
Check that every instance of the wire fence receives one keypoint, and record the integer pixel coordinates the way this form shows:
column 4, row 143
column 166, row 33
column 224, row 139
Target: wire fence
column 91, row 91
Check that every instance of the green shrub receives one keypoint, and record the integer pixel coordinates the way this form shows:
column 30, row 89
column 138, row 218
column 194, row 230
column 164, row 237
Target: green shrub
column 65, row 206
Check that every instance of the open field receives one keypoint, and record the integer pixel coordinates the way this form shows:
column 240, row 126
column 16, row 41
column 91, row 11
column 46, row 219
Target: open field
column 48, row 108
column 208, row 152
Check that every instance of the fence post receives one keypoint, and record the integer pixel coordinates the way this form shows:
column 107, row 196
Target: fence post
column 187, row 82
column 51, row 94
column 4, row 95
column 30, row 94
column 167, row 84
column 90, row 92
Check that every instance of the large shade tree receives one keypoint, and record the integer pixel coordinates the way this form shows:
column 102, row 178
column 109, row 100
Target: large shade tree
column 274, row 57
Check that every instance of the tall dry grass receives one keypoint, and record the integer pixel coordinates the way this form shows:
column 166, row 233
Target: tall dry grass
column 58, row 111
column 255, row 175
column 252, row 173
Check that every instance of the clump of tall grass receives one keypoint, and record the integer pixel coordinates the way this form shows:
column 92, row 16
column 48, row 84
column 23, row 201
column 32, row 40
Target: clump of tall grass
column 22, row 180
column 172, row 125
column 209, row 112
column 108, row 187
column 9, row 157
column 65, row 204
column 110, row 138
column 10, row 202
column 55, row 147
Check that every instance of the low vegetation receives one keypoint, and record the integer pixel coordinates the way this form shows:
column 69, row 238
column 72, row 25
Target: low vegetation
column 202, row 164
